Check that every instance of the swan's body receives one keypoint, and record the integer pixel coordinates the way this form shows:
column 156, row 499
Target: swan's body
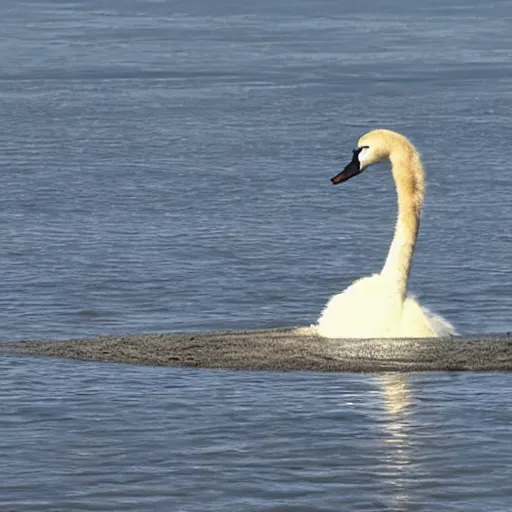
column 371, row 308
column 378, row 306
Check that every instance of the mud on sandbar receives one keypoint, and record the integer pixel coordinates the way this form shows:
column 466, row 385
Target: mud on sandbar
column 283, row 350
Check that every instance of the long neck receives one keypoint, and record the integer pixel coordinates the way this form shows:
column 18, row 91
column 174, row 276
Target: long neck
column 409, row 179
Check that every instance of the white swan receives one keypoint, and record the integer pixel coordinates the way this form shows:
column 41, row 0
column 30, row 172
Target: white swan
column 378, row 306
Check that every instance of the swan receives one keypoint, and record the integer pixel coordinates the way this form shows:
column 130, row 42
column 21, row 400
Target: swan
column 379, row 306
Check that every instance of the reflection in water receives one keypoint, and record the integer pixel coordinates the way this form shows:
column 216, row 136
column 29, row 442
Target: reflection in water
column 397, row 395
column 397, row 400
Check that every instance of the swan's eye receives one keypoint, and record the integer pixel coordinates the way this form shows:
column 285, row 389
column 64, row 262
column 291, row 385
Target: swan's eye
column 360, row 152
column 360, row 149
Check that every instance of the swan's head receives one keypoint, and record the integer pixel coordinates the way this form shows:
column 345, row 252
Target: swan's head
column 371, row 148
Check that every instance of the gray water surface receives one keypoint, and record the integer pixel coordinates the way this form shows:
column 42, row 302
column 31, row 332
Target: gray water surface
column 165, row 166
column 119, row 437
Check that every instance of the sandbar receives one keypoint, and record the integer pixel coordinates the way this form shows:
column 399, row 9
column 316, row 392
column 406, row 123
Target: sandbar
column 281, row 350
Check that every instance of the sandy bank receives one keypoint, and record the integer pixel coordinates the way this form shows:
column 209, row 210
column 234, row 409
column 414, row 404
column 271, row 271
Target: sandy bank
column 281, row 349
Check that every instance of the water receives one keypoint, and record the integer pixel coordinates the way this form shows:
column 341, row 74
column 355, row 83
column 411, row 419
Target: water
column 165, row 166
column 113, row 437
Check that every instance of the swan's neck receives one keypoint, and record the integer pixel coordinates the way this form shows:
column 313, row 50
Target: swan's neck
column 409, row 179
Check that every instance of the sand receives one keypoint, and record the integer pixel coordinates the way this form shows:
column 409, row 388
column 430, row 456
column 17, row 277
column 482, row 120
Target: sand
column 282, row 350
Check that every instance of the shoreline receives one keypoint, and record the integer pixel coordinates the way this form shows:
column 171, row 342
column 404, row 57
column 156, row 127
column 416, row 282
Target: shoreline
column 281, row 350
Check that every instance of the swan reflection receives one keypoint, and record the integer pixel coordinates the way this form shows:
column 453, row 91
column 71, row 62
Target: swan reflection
column 397, row 401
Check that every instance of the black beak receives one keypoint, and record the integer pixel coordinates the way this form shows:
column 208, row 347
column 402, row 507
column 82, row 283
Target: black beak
column 351, row 170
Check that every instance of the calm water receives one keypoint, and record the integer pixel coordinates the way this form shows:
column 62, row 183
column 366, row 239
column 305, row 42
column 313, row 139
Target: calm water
column 90, row 437
column 165, row 166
